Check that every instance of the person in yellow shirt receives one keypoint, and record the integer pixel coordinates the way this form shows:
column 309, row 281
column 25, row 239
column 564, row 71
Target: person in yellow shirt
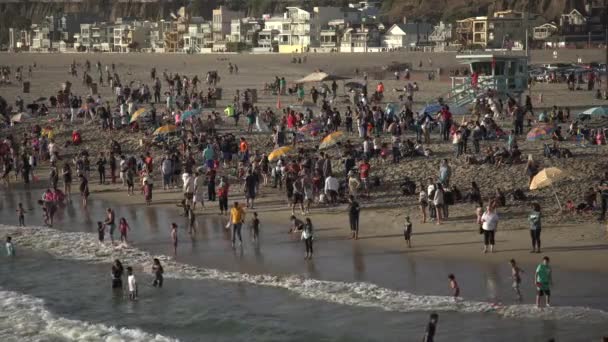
column 237, row 217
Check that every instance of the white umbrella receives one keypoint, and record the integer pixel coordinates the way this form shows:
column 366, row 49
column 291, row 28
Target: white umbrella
column 20, row 117
column 320, row 77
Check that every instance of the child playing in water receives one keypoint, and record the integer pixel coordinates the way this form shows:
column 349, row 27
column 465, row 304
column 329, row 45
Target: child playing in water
column 45, row 212
column 10, row 248
column 101, row 231
column 516, row 275
column 123, row 227
column 255, row 227
column 158, row 271
column 174, row 238
column 454, row 287
column 407, row 232
column 21, row 215
column 132, row 284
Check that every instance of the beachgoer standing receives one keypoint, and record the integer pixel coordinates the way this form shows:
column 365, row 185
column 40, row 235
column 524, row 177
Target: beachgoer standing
column 489, row 223
column 454, row 286
column 174, row 238
column 158, row 271
column 535, row 227
column 307, row 236
column 110, row 223
column 353, row 217
column 543, row 280
column 123, row 227
column 10, row 247
column 237, row 217
column 117, row 271
column 222, row 194
column 21, row 215
column 407, row 232
column 84, row 189
column 255, row 228
column 132, row 284
column 101, row 232
column 516, row 276
column 431, row 327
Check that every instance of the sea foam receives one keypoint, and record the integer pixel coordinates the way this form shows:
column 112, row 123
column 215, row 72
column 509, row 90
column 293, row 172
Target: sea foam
column 84, row 246
column 24, row 318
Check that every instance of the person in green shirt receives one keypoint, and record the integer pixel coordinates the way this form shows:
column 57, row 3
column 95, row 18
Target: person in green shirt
column 543, row 279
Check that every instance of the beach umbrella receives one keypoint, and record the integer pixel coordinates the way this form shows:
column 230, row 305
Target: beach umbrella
column 137, row 114
column 40, row 99
column 165, row 129
column 536, row 133
column 320, row 77
column 190, row 113
column 20, row 117
column 549, row 128
column 548, row 177
column 602, row 110
column 596, row 117
column 354, row 85
column 279, row 152
column 310, row 128
column 331, row 140
column 432, row 109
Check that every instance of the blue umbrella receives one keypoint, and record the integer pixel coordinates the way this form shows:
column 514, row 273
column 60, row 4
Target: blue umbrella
column 187, row 114
column 432, row 108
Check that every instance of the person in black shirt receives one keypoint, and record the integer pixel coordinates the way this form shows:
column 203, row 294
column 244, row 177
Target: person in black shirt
column 353, row 217
column 117, row 271
column 603, row 190
column 101, row 168
column 429, row 335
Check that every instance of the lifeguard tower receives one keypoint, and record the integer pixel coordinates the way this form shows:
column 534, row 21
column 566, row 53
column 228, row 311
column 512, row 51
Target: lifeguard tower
column 505, row 75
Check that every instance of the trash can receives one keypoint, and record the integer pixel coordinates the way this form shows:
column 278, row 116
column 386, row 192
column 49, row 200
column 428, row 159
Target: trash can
column 218, row 94
column 254, row 95
column 26, row 87
column 94, row 88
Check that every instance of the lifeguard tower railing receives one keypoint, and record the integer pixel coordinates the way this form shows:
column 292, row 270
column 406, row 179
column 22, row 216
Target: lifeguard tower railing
column 464, row 93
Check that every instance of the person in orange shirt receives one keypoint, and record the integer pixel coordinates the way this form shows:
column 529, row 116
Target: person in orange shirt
column 244, row 149
column 237, row 217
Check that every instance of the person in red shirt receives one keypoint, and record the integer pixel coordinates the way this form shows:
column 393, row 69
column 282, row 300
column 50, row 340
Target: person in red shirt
column 244, row 149
column 364, row 172
column 446, row 122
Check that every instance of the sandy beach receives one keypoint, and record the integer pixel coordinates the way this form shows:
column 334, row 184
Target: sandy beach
column 574, row 241
column 377, row 271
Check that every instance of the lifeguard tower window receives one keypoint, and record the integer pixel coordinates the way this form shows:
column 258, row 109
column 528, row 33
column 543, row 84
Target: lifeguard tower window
column 485, row 68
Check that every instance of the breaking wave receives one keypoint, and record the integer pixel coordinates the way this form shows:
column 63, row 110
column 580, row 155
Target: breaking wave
column 24, row 318
column 84, row 246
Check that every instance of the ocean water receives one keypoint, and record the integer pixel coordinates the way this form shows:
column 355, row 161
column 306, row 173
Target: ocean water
column 213, row 293
column 70, row 300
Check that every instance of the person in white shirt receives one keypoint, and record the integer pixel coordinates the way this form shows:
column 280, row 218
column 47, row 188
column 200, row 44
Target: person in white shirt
column 132, row 282
column 188, row 187
column 331, row 189
column 431, row 196
column 489, row 223
column 123, row 169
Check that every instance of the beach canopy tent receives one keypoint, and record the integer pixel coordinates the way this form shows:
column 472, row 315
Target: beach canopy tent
column 435, row 108
column 166, row 129
column 320, row 76
column 596, row 117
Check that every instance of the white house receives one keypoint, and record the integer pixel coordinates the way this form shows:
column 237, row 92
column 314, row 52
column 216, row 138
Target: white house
column 407, row 35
